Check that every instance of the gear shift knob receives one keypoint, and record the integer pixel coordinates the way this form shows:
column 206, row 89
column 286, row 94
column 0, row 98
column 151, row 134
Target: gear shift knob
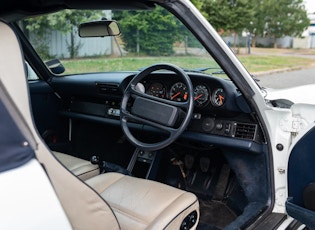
column 95, row 160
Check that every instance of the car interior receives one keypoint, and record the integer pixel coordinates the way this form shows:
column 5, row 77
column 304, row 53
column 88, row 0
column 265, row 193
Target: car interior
column 221, row 156
column 224, row 166
column 180, row 165
column 110, row 199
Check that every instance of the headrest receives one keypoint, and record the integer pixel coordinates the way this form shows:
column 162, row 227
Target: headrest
column 12, row 71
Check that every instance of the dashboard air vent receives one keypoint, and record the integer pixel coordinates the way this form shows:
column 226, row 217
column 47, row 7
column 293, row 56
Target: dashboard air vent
column 245, row 131
column 105, row 88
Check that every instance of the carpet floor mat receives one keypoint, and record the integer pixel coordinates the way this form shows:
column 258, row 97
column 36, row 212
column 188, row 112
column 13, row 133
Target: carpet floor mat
column 214, row 215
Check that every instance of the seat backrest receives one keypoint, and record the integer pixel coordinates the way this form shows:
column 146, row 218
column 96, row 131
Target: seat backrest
column 20, row 173
column 84, row 208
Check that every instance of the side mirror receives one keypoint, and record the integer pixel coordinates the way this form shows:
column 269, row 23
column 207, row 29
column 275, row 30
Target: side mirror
column 102, row 28
column 55, row 66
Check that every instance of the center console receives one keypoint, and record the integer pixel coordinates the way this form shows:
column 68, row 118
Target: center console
column 142, row 164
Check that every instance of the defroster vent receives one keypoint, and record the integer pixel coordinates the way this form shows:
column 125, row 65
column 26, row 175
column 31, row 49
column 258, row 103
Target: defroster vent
column 108, row 88
column 245, row 131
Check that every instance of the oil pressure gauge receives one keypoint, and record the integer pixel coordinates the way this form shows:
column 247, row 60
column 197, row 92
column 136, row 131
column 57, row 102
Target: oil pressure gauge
column 218, row 97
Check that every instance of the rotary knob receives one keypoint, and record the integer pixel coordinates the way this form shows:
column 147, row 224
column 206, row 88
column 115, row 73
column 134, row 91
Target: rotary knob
column 208, row 124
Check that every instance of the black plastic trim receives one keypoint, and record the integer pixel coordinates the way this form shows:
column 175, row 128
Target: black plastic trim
column 220, row 141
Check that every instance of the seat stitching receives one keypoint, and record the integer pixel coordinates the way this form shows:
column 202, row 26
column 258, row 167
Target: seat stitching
column 110, row 185
column 145, row 222
column 173, row 201
column 88, row 171
column 112, row 205
column 129, row 215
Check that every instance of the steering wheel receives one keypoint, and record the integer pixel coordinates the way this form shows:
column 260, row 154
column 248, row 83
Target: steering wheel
column 170, row 116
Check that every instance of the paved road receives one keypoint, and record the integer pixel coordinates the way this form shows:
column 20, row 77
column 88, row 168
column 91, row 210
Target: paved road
column 288, row 79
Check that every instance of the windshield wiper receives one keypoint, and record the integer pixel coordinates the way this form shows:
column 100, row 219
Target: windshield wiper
column 200, row 70
column 204, row 69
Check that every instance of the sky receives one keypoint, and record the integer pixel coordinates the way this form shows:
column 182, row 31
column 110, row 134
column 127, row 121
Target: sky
column 310, row 6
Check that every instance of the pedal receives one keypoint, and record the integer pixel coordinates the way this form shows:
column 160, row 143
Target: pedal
column 204, row 163
column 180, row 164
column 189, row 161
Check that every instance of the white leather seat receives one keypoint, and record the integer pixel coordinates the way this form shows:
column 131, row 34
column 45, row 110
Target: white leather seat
column 144, row 204
column 106, row 201
column 81, row 168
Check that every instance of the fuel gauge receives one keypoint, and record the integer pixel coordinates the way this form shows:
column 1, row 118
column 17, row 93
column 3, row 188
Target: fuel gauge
column 218, row 97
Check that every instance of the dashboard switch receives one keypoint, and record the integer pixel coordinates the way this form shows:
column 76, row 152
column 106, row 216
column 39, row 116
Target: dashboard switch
column 208, row 124
column 227, row 128
column 219, row 126
column 196, row 116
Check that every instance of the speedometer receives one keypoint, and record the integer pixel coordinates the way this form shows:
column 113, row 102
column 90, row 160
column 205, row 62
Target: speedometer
column 201, row 95
column 179, row 92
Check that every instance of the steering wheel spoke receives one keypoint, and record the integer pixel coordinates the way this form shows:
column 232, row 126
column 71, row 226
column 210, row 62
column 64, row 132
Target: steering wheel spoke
column 131, row 117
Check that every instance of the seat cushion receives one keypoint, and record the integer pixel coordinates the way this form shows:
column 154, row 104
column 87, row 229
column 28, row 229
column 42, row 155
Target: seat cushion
column 144, row 204
column 79, row 167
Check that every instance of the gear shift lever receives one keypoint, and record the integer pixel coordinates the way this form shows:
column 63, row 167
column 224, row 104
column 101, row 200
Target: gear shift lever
column 95, row 160
column 108, row 167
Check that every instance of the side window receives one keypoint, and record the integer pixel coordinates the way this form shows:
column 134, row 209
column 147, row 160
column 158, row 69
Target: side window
column 31, row 75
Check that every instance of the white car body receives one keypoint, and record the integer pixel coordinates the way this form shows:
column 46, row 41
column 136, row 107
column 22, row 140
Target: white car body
column 286, row 115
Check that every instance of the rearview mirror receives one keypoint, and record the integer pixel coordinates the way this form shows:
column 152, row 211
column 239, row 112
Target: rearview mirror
column 101, row 28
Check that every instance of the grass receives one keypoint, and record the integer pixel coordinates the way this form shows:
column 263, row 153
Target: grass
column 132, row 63
column 256, row 64
column 260, row 60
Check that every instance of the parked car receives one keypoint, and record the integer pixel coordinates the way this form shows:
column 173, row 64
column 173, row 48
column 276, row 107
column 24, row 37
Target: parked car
column 165, row 129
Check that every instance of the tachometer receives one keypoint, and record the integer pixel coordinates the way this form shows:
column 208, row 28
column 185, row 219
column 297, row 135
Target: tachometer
column 179, row 92
column 218, row 97
column 201, row 95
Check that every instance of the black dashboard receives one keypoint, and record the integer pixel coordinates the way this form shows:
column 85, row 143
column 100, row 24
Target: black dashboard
column 219, row 107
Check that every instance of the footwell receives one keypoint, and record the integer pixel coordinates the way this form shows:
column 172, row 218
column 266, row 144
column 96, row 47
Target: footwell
column 214, row 215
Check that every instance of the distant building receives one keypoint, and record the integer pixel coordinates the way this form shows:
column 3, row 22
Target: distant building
column 89, row 47
column 56, row 44
column 308, row 40
column 311, row 28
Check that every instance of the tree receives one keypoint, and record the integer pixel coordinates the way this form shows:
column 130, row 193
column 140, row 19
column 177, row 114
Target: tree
column 228, row 15
column 151, row 32
column 64, row 21
column 278, row 18
column 198, row 4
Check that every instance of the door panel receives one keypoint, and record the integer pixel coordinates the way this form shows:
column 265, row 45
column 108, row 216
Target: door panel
column 301, row 174
column 45, row 107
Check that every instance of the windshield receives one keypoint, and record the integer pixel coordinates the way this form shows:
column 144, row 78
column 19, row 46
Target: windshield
column 156, row 36
column 147, row 37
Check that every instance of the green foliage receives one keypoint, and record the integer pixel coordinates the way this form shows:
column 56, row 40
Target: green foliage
column 63, row 20
column 279, row 18
column 229, row 15
column 42, row 47
column 197, row 3
column 274, row 18
column 150, row 32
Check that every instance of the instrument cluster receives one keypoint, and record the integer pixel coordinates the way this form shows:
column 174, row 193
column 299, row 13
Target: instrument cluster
column 178, row 92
